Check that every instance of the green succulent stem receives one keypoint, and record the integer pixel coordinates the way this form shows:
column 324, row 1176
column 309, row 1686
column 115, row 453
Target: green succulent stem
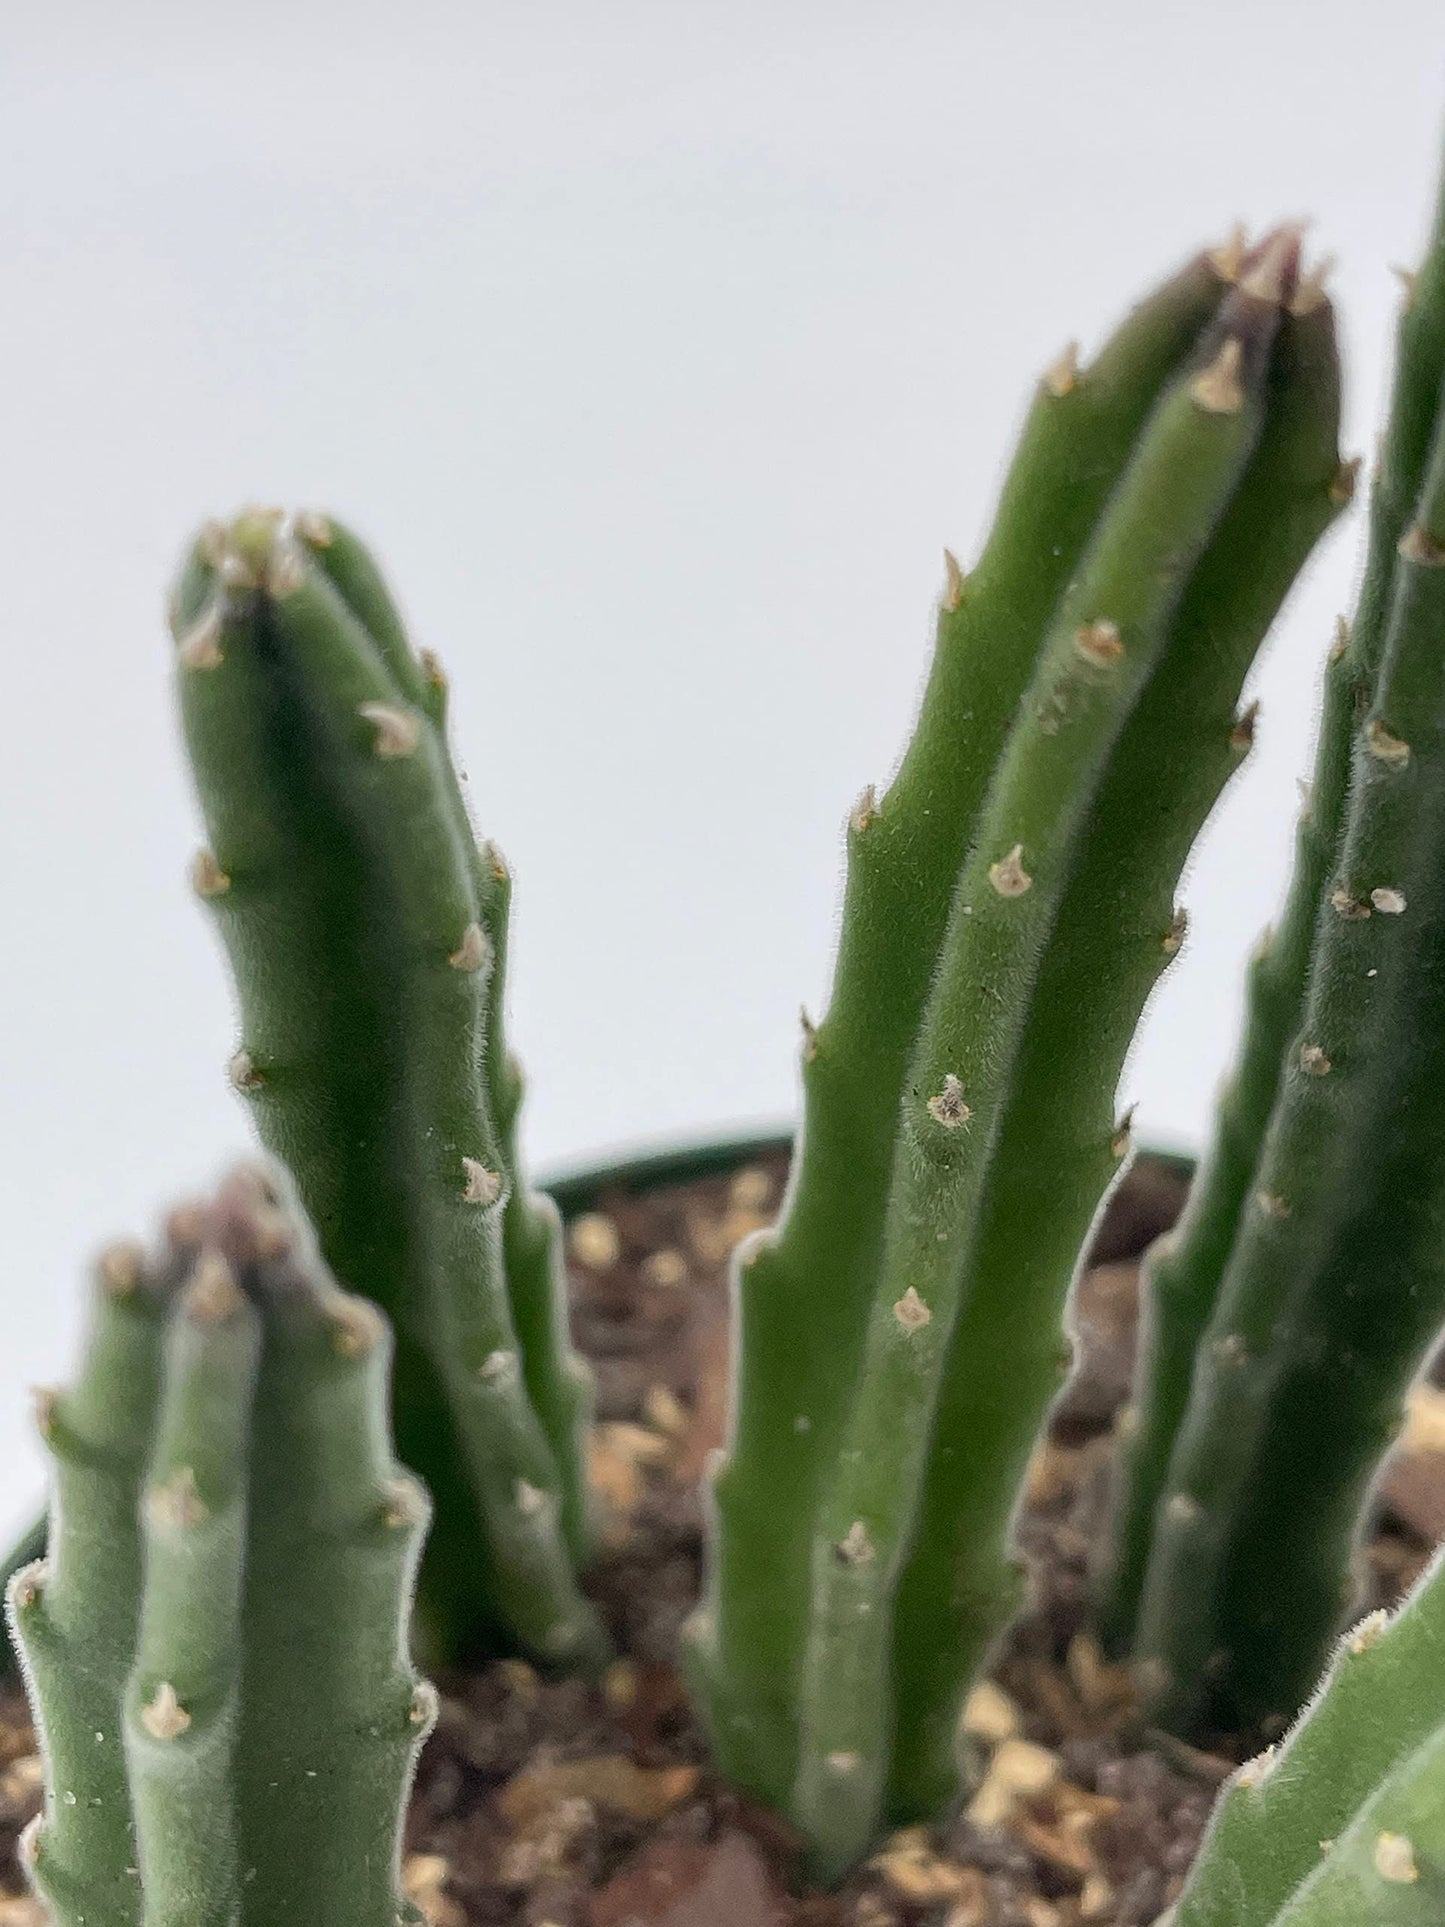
column 182, row 1703
column 1335, row 1287
column 557, row 1379
column 1098, row 651
column 816, row 1274
column 215, row 1643
column 348, row 888
column 1183, row 1274
column 74, row 1608
column 1114, row 935
column 332, row 1712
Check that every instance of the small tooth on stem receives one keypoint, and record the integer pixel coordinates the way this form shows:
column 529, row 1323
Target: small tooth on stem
column 1312, row 288
column 1228, row 257
column 855, row 1548
column 313, row 528
column 1271, row 274
column 208, row 879
column 175, row 1505
column 1062, row 376
column 1217, row 389
column 810, row 1036
column 185, row 1224
column 163, row 1717
column 27, row 1587
column 1008, row 876
column 948, row 1106
column 1345, row 481
column 398, row 731
column 1348, row 906
column 1099, row 643
column 1395, row 1858
column 482, row 1186
column 200, row 646
column 285, row 570
column 357, row 1327
column 120, row 1268
column 403, row 1503
column 471, row 952
column 864, row 810
column 1418, row 545
column 243, row 1073
column 911, row 1312
column 1384, row 745
column 212, row 1295
column 530, row 1499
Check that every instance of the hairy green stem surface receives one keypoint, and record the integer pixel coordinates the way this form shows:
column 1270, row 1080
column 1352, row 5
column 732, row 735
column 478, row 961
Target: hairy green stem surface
column 803, row 1293
column 215, row 1642
column 1060, row 1144
column 1183, row 1273
column 1108, row 632
column 1336, row 1284
column 557, row 1379
column 74, row 1609
column 1343, row 1824
column 347, row 886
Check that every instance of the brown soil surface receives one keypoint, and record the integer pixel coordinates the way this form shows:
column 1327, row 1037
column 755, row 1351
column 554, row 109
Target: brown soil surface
column 544, row 1803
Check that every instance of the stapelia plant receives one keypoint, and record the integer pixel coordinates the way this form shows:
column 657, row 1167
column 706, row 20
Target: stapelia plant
column 1289, row 1313
column 367, row 931
column 1010, row 904
column 215, row 1639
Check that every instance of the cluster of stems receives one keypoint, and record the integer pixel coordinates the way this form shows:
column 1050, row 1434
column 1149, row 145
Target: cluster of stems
column 215, row 1639
column 218, row 1633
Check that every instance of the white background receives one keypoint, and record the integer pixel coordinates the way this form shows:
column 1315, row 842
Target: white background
column 660, row 349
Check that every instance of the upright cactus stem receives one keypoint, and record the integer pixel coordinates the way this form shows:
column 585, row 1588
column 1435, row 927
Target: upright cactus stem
column 1098, row 652
column 1287, row 1319
column 816, row 1274
column 366, row 929
column 74, row 1610
column 1335, row 1286
column 1009, row 906
column 1117, row 926
column 1183, row 1273
column 228, row 1715
column 558, row 1381
column 182, row 1705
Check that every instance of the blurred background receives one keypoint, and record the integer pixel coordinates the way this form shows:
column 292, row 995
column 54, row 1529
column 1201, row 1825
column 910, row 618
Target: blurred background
column 660, row 350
